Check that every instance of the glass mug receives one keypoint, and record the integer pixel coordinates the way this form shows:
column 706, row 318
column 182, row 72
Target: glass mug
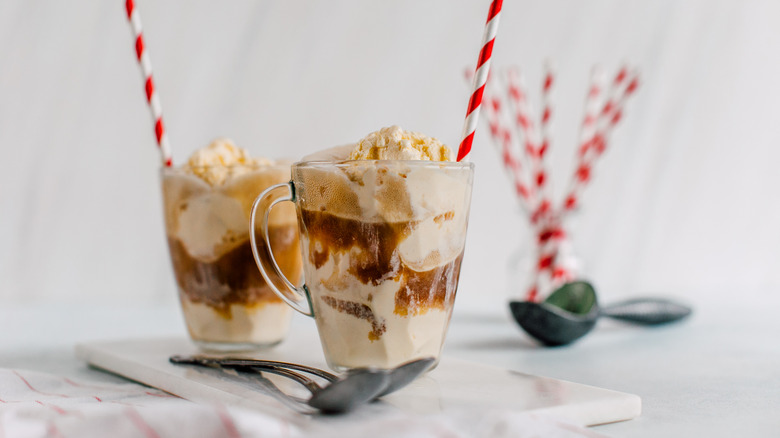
column 382, row 244
column 226, row 303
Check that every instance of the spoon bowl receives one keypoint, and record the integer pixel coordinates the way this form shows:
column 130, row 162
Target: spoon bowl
column 355, row 388
column 566, row 315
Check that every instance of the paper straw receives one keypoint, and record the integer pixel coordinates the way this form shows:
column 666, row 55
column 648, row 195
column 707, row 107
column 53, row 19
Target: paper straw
column 623, row 86
column 549, row 272
column 591, row 110
column 480, row 78
column 151, row 94
column 588, row 129
column 503, row 139
column 544, row 124
column 524, row 119
column 542, row 176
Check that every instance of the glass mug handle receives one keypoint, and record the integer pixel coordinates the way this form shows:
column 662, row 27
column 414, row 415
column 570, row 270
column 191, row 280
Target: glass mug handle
column 289, row 293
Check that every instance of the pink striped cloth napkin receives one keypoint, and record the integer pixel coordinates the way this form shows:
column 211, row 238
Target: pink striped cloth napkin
column 34, row 404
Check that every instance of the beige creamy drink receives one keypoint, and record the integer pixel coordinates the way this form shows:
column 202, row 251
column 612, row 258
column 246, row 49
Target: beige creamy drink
column 383, row 236
column 226, row 303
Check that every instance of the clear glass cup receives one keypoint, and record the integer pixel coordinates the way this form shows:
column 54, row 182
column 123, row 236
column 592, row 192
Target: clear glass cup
column 226, row 303
column 382, row 247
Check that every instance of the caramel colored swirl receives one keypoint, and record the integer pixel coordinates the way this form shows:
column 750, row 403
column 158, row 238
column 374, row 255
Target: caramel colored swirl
column 372, row 251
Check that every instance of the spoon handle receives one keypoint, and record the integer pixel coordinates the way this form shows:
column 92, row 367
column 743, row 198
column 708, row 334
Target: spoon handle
column 647, row 311
column 310, row 384
column 268, row 386
column 241, row 362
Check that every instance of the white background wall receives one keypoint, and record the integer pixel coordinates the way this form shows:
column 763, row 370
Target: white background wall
column 685, row 202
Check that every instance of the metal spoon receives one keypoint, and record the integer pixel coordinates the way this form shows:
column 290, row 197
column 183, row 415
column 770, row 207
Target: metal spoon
column 405, row 374
column 343, row 393
column 355, row 388
column 572, row 310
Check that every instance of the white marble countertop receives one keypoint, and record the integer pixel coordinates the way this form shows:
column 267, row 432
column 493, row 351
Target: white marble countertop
column 716, row 374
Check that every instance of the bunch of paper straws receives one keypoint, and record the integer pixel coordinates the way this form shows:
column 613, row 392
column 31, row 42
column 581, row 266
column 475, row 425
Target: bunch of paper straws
column 523, row 141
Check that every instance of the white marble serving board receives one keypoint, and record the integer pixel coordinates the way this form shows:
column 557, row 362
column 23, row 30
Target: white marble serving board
column 453, row 386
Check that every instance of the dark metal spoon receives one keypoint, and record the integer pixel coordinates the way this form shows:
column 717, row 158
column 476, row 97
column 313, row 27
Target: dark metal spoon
column 405, row 374
column 343, row 394
column 355, row 388
column 572, row 310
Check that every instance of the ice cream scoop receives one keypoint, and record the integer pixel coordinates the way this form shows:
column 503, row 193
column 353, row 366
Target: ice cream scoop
column 394, row 143
column 572, row 310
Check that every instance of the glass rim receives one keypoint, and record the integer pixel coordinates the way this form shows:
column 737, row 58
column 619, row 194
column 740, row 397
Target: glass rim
column 371, row 163
column 188, row 168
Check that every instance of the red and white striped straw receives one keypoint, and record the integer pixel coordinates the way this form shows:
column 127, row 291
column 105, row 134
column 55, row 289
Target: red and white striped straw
column 524, row 119
column 544, row 125
column 549, row 269
column 502, row 138
column 617, row 87
column 617, row 114
column 591, row 110
column 151, row 94
column 542, row 176
column 588, row 130
column 480, row 78
column 623, row 86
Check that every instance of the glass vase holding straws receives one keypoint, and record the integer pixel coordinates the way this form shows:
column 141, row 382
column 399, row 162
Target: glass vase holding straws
column 546, row 260
column 543, row 261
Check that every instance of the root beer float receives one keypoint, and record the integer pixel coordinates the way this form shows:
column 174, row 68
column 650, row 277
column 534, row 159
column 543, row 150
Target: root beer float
column 383, row 227
column 225, row 301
